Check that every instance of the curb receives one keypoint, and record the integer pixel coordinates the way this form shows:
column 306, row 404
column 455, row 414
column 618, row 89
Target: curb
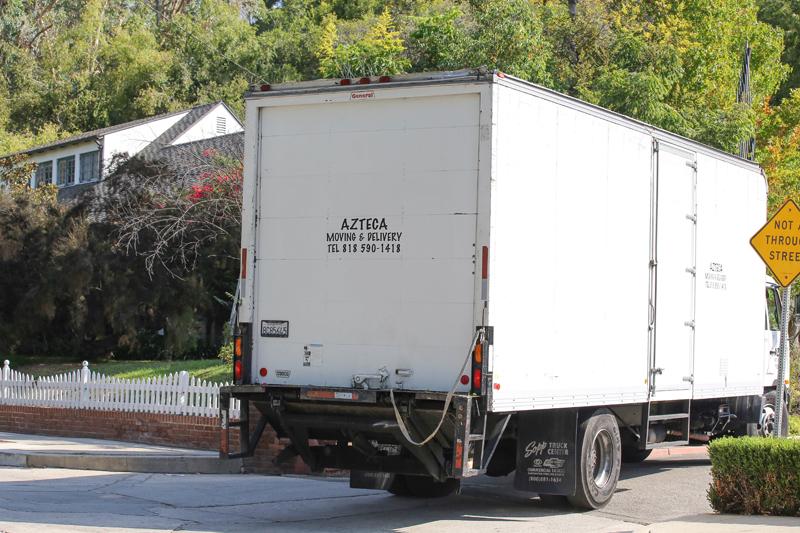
column 698, row 452
column 176, row 464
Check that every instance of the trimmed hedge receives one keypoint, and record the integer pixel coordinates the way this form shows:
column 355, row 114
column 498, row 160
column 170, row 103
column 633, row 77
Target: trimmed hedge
column 754, row 475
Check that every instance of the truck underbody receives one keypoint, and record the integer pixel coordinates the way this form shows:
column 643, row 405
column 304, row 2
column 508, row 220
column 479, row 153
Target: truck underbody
column 357, row 430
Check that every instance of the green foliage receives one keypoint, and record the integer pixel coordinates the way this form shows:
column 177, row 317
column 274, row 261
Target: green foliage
column 378, row 52
column 226, row 353
column 208, row 369
column 753, row 475
column 69, row 288
column 779, row 153
column 15, row 176
column 785, row 14
column 794, row 425
column 507, row 35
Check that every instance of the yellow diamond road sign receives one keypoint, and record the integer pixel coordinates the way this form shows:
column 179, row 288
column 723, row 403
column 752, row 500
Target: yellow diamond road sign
column 778, row 243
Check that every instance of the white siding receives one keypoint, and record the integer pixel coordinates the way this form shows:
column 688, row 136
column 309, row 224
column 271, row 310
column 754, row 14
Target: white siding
column 133, row 140
column 568, row 277
column 65, row 151
column 208, row 126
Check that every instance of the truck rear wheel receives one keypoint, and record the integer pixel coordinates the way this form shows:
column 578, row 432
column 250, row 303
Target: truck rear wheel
column 600, row 455
column 422, row 486
column 766, row 423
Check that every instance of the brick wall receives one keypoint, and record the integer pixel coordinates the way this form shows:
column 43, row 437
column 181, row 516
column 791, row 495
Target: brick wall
column 196, row 432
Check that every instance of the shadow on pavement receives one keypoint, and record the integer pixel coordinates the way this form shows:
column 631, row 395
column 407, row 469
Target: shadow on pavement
column 651, row 466
column 224, row 503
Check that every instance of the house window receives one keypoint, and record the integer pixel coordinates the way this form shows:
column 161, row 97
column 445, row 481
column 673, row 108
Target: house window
column 44, row 173
column 90, row 166
column 66, row 171
column 221, row 125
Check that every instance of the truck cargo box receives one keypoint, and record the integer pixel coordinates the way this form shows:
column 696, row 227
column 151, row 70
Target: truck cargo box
column 385, row 223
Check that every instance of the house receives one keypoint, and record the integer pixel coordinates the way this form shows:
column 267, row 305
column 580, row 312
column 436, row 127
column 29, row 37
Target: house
column 78, row 163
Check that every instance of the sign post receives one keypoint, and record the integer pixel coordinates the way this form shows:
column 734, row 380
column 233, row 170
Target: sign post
column 778, row 245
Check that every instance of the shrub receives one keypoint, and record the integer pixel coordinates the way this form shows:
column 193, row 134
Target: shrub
column 753, row 475
column 226, row 353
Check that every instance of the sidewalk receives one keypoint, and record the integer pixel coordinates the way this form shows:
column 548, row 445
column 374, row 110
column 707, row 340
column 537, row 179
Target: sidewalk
column 723, row 523
column 112, row 456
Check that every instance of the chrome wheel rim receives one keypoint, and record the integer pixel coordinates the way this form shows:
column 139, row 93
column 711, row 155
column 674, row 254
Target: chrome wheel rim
column 602, row 460
column 766, row 424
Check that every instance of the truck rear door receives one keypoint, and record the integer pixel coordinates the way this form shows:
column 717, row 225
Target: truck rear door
column 365, row 240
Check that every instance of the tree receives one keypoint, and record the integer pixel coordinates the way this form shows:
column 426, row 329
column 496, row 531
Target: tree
column 171, row 216
column 15, row 177
column 779, row 153
column 785, row 14
column 378, row 52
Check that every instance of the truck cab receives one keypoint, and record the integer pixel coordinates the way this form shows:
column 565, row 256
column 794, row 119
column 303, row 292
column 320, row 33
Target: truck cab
column 772, row 346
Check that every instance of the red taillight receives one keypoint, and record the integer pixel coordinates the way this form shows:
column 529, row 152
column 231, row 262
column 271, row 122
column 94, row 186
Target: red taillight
column 237, row 370
column 263, row 372
column 266, row 87
column 465, row 379
column 385, row 79
column 364, row 81
column 476, row 379
column 244, row 263
column 344, row 81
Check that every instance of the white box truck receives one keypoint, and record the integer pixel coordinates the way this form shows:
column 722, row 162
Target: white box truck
column 452, row 274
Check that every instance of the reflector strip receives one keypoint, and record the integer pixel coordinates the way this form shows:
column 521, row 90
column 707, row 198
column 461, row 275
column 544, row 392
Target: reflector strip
column 244, row 264
column 484, row 272
column 338, row 395
column 458, row 461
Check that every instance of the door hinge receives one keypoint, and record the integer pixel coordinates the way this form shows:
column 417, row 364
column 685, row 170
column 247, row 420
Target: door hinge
column 691, row 271
column 689, row 323
column 693, row 218
column 689, row 379
column 655, row 146
column 692, row 164
column 656, row 371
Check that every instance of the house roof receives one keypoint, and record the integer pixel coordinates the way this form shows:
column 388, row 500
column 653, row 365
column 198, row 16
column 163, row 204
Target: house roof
column 195, row 113
column 190, row 160
column 153, row 150
column 186, row 161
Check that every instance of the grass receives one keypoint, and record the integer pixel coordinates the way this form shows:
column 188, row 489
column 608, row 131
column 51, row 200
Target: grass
column 207, row 369
column 794, row 425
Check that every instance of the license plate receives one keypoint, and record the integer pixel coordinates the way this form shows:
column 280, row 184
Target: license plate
column 274, row 328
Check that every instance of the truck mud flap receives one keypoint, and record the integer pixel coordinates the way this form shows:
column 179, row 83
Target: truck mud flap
column 547, row 452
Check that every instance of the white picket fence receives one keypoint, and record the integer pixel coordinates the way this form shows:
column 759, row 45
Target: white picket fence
column 177, row 393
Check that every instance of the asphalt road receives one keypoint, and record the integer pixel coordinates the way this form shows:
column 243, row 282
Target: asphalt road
column 55, row 500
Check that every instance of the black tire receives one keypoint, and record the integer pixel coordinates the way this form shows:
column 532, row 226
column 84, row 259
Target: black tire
column 765, row 427
column 599, row 459
column 423, row 486
column 398, row 486
column 632, row 454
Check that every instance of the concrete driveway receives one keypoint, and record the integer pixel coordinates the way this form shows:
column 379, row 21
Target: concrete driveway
column 50, row 500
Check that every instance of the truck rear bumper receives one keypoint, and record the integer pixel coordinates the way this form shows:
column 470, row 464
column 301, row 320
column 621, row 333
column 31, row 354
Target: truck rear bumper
column 357, row 429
